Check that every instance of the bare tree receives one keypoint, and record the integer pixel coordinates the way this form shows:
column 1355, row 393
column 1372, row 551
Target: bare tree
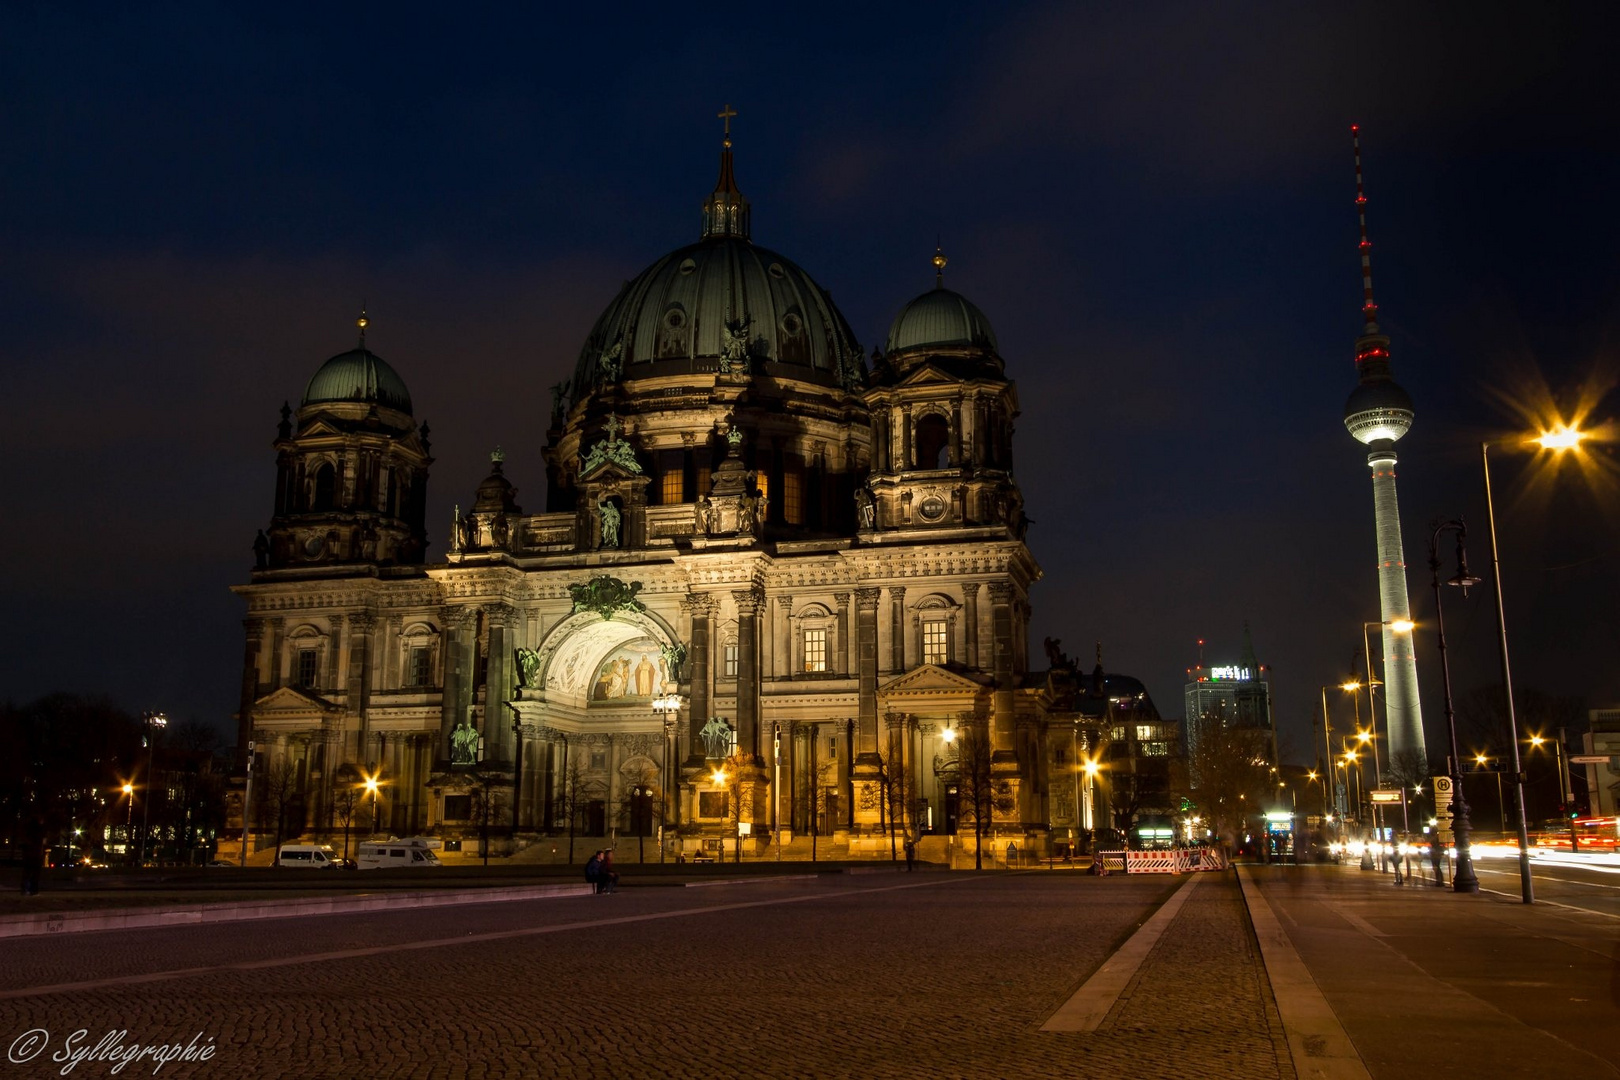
column 487, row 808
column 1230, row 771
column 279, row 801
column 980, row 795
column 570, row 799
column 346, row 796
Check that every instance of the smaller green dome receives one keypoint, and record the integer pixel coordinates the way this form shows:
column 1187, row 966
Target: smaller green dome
column 358, row 375
column 940, row 318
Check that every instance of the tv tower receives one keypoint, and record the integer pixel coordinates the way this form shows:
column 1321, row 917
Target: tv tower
column 1378, row 413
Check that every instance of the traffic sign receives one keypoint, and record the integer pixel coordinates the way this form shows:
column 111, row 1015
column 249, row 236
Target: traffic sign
column 1385, row 795
column 1590, row 759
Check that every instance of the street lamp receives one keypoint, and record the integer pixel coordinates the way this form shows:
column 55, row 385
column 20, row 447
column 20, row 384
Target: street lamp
column 641, row 792
column 371, row 786
column 155, row 723
column 1464, row 880
column 1561, row 438
column 129, row 814
column 1567, row 795
column 1501, row 804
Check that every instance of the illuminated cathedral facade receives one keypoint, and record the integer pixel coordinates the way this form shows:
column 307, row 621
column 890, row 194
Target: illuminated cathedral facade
column 778, row 588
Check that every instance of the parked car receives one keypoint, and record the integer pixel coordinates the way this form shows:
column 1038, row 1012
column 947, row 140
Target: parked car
column 308, row 856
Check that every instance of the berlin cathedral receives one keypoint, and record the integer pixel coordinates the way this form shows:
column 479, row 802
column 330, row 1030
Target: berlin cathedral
column 778, row 589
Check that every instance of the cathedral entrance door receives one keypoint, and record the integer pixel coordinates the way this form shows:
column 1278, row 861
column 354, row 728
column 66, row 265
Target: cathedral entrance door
column 596, row 818
column 953, row 806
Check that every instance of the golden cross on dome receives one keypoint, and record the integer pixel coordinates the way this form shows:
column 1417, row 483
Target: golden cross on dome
column 726, row 114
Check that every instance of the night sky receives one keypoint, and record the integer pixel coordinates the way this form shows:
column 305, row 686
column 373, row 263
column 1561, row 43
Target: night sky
column 1152, row 203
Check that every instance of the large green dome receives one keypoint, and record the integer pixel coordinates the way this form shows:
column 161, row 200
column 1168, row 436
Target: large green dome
column 671, row 318
column 940, row 318
column 358, row 375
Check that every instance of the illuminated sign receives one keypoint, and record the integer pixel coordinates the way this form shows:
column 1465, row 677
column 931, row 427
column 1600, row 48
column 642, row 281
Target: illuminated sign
column 1238, row 674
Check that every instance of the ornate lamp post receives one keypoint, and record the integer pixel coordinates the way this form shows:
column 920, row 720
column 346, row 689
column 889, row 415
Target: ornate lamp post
column 371, row 786
column 155, row 723
column 668, row 709
column 1465, row 879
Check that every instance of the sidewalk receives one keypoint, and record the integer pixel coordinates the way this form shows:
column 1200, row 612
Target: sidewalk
column 1426, row 982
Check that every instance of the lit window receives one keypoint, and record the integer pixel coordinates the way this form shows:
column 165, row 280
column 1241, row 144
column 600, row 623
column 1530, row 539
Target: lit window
column 935, row 642
column 420, row 672
column 671, row 490
column 832, row 748
column 793, row 490
column 1144, row 731
column 815, row 650
column 308, row 661
column 762, row 482
column 728, row 662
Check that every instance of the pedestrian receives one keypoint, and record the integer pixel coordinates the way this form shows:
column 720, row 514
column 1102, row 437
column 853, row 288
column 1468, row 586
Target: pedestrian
column 911, row 852
column 610, row 877
column 593, row 872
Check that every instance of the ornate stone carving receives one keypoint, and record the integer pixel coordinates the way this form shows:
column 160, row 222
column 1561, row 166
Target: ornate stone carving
column 699, row 604
column 866, row 597
column 612, row 449
column 674, row 659
column 747, row 600
column 606, row 595
column 718, row 738
column 734, row 345
column 611, row 362
column 1001, row 592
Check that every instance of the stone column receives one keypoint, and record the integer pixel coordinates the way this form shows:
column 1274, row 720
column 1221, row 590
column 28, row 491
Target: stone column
column 843, row 662
column 498, row 687
column 701, row 607
column 782, row 638
column 866, row 605
column 906, row 460
column 391, row 646
column 254, row 629
column 748, row 603
column 897, row 628
column 358, row 688
column 956, row 434
column 970, row 622
column 329, row 679
column 1001, row 628
column 452, row 712
column 967, row 415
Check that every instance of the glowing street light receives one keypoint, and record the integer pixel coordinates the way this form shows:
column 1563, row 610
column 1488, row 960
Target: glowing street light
column 1561, row 437
column 371, row 787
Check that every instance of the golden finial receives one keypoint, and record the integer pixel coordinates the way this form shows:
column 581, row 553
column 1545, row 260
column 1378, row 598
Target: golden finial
column 726, row 114
column 939, row 266
column 362, row 322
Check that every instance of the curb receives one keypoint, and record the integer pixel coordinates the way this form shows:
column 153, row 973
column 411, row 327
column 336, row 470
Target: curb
column 47, row 923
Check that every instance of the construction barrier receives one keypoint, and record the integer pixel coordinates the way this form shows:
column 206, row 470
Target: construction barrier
column 1163, row 861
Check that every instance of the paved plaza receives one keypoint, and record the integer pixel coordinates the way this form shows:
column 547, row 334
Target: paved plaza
column 929, row 974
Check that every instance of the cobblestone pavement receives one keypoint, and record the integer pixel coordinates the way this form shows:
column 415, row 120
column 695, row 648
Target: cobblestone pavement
column 880, row 976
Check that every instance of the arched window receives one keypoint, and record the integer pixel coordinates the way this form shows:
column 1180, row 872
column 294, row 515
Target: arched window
column 325, row 488
column 933, row 436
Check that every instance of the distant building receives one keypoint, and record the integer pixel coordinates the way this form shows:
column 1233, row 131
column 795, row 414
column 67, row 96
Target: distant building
column 1240, row 694
column 1603, row 781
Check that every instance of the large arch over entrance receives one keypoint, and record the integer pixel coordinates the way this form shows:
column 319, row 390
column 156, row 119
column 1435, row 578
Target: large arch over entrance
column 573, row 653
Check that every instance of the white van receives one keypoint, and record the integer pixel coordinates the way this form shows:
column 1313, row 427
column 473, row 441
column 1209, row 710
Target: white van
column 394, row 854
column 308, row 856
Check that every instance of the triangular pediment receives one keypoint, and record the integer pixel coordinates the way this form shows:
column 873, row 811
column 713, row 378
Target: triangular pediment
column 928, row 375
column 931, row 679
column 609, row 470
column 289, row 700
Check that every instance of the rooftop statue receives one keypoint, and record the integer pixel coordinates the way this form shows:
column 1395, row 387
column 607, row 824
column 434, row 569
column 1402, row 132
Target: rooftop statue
column 606, row 595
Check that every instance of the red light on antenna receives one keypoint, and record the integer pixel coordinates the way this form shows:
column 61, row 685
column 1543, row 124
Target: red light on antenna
column 1355, row 128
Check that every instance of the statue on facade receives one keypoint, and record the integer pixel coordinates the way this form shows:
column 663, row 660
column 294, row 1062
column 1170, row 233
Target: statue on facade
column 464, row 744
column 1054, row 654
column 611, row 362
column 559, row 400
column 528, row 664
column 605, row 595
column 456, row 533
column 261, row 551
column 748, row 515
column 674, row 657
column 610, row 523
column 499, row 531
column 702, row 512
column 865, row 509
column 718, row 738
column 850, row 373
column 734, row 346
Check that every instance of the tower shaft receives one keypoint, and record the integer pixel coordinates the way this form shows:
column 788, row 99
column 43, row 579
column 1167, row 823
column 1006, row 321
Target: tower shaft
column 1403, row 713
